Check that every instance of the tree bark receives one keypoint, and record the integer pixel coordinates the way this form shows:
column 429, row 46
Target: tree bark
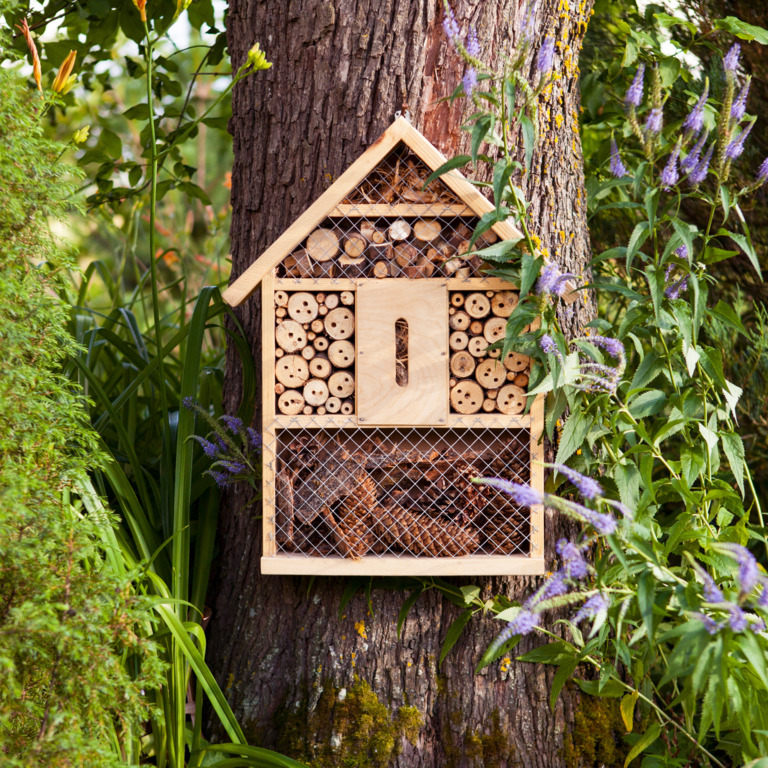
column 278, row 645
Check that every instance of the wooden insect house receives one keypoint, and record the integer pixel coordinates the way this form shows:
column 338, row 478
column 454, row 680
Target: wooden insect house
column 381, row 399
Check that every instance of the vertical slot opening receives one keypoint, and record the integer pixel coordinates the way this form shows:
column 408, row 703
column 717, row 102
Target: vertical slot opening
column 401, row 352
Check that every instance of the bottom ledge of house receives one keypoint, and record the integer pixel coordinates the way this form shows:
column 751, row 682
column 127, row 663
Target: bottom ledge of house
column 390, row 565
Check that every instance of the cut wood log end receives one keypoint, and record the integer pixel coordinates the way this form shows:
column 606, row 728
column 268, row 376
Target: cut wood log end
column 467, row 397
column 511, row 400
column 322, row 244
column 477, row 305
column 302, row 307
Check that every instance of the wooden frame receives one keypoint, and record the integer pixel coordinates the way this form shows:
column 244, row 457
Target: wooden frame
column 526, row 428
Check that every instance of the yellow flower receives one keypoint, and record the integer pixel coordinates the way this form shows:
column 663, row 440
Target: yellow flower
column 257, row 59
column 142, row 8
column 81, row 134
column 36, row 72
column 63, row 82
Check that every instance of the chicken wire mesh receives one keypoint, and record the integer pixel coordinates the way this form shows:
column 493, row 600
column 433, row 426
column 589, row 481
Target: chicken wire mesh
column 390, row 225
column 370, row 492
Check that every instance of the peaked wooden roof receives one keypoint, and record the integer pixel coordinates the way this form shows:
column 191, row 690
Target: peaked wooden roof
column 400, row 131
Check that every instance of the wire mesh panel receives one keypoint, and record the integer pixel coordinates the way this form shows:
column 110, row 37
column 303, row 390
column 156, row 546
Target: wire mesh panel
column 403, row 492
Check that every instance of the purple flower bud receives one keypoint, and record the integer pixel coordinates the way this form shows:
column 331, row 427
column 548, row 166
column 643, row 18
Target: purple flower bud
column 575, row 565
column 523, row 495
column 739, row 106
column 547, row 343
column 762, row 172
column 547, row 278
column 695, row 120
column 473, row 45
column 654, row 121
column 546, row 55
column 450, row 26
column 617, row 167
column 762, row 598
column 561, row 284
column 689, row 162
column 736, row 147
column 220, row 478
column 254, row 438
column 554, row 586
column 712, row 593
column 233, row 423
column 670, row 176
column 528, row 27
column 699, row 173
column 587, row 487
column 673, row 291
column 591, row 607
column 756, row 624
column 749, row 575
column 635, row 91
column 234, row 467
column 189, row 403
column 712, row 626
column 682, row 251
column 524, row 623
column 731, row 60
column 737, row 619
column 470, row 81
column 612, row 346
column 210, row 450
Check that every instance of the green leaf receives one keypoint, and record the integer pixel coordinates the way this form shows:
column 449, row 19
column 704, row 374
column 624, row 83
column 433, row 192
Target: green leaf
column 726, row 314
column 647, row 404
column 643, row 743
column 574, row 432
column 454, row 632
column 627, row 709
column 665, row 20
column 560, row 679
column 557, row 652
column 448, row 165
column 734, row 451
column 639, row 236
column 529, row 139
column 530, row 269
column 479, row 132
column 742, row 29
column 647, row 371
column 746, row 245
column 501, row 173
column 470, row 593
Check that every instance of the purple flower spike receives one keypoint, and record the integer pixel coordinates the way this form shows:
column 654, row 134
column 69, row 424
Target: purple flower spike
column 254, row 437
column 524, row 495
column 603, row 523
column 737, row 619
column 524, row 623
column 547, row 343
column 189, row 403
column 635, row 91
column 739, row 106
column 712, row 626
column 473, row 45
column 678, row 287
column 587, row 487
column 470, row 81
column 749, row 575
column 451, row 27
column 670, row 176
column 547, row 278
column 756, row 624
column 209, row 449
column 712, row 593
column 233, row 423
column 699, row 173
column 655, row 120
column 762, row 172
column 682, row 251
column 617, row 167
column 592, row 607
column 546, row 55
column 689, row 162
column 731, row 60
column 736, row 147
column 234, row 467
column 528, row 27
column 554, row 586
column 574, row 563
column 221, row 478
column 612, row 346
column 695, row 120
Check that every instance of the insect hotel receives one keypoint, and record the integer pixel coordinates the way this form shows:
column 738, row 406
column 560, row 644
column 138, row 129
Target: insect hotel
column 381, row 397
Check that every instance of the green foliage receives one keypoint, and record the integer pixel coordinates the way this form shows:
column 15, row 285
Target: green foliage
column 66, row 617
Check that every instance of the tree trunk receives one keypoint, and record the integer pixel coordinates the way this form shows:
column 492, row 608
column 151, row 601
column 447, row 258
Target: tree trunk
column 301, row 677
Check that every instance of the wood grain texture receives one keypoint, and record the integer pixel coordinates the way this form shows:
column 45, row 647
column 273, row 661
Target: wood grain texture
column 424, row 306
